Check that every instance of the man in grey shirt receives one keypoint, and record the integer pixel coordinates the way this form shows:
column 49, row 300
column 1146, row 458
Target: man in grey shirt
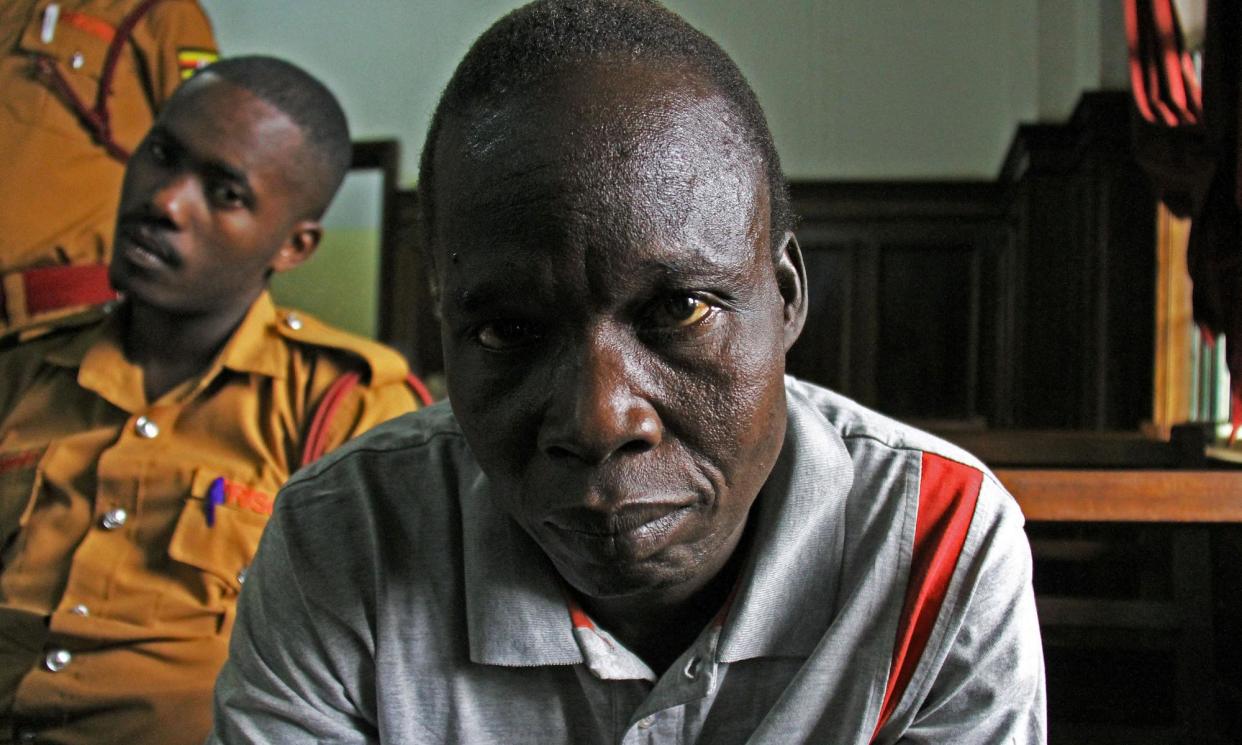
column 629, row 526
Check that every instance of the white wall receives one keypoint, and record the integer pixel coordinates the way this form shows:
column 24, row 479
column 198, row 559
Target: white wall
column 853, row 88
column 862, row 89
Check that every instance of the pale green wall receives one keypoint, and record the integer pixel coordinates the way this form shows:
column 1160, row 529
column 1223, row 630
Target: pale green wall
column 853, row 88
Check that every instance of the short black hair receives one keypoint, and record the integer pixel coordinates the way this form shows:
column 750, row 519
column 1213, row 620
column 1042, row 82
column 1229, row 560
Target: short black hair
column 308, row 103
column 538, row 40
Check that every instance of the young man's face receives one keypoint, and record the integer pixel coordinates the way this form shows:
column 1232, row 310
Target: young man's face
column 210, row 201
column 614, row 323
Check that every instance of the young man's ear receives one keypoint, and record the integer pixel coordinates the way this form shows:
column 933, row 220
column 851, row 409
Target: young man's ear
column 298, row 247
column 791, row 279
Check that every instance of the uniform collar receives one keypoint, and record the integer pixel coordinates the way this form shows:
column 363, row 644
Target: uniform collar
column 254, row 347
column 517, row 615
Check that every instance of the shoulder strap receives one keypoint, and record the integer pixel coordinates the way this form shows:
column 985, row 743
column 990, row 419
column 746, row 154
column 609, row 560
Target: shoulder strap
column 948, row 492
column 317, row 435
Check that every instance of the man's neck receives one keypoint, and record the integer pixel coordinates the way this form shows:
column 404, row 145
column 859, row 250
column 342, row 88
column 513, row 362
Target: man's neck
column 170, row 347
column 660, row 627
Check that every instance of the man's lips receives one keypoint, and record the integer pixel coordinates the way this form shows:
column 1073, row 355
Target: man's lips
column 628, row 520
column 142, row 245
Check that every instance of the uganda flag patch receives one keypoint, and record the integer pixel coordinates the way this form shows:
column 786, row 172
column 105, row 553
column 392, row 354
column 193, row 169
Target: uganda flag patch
column 190, row 61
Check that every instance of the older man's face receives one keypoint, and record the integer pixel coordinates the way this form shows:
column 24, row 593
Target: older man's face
column 614, row 327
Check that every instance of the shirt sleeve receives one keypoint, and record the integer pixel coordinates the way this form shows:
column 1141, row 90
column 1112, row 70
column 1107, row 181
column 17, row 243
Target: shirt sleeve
column 176, row 39
column 988, row 686
column 295, row 644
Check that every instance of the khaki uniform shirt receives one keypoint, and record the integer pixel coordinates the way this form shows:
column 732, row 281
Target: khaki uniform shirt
column 59, row 188
column 118, row 581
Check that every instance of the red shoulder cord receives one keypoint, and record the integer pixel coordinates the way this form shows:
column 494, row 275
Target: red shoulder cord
column 97, row 119
column 317, row 435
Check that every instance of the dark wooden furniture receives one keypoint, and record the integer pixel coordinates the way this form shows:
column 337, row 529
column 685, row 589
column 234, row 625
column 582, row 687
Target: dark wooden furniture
column 1135, row 543
column 1024, row 302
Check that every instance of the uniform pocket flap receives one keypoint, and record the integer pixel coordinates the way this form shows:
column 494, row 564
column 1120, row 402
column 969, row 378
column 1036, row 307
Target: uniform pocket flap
column 77, row 41
column 227, row 545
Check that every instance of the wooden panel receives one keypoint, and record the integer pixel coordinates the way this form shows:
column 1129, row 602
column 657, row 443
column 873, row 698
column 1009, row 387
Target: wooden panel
column 1126, row 496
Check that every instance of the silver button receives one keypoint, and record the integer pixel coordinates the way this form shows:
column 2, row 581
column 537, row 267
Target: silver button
column 80, row 610
column 114, row 518
column 646, row 722
column 77, row 60
column 691, row 669
column 146, row 428
column 294, row 322
column 57, row 660
column 241, row 575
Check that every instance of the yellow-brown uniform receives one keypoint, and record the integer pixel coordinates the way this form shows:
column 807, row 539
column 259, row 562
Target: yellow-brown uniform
column 118, row 574
column 59, row 185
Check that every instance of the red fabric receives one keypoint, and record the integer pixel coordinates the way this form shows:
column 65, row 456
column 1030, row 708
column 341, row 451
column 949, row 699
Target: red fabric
column 55, row 287
column 948, row 492
column 420, row 390
column 1162, row 74
column 19, row 461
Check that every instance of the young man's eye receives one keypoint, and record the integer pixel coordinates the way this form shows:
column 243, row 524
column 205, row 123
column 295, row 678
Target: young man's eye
column 227, row 195
column 159, row 153
column 504, row 335
column 679, row 311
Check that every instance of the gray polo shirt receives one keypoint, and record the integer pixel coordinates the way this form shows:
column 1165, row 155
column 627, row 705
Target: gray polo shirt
column 392, row 602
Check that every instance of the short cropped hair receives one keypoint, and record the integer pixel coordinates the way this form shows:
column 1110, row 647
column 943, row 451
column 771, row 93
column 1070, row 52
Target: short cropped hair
column 538, row 40
column 308, row 103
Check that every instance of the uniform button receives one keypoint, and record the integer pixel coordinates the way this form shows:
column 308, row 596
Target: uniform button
column 80, row 610
column 293, row 321
column 77, row 60
column 691, row 669
column 241, row 575
column 57, row 660
column 114, row 518
column 146, row 428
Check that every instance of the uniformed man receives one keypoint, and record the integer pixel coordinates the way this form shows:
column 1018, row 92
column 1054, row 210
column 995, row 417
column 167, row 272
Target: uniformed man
column 81, row 81
column 140, row 450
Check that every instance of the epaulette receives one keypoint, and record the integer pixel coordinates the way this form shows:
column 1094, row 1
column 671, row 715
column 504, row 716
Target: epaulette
column 58, row 324
column 384, row 364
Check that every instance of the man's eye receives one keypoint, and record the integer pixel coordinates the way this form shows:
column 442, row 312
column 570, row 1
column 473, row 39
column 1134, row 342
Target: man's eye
column 158, row 152
column 504, row 335
column 226, row 194
column 680, row 311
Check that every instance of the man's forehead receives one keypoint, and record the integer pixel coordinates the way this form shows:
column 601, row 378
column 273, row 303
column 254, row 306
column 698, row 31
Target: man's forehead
column 214, row 109
column 595, row 113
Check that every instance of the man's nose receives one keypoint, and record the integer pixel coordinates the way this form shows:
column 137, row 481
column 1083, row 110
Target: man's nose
column 172, row 198
column 598, row 407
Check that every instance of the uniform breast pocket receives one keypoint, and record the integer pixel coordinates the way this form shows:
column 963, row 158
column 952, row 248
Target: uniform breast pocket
column 75, row 46
column 19, row 486
column 213, row 543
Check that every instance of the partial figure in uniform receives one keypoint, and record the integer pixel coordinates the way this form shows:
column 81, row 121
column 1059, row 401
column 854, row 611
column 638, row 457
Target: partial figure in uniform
column 627, row 524
column 141, row 449
column 81, row 82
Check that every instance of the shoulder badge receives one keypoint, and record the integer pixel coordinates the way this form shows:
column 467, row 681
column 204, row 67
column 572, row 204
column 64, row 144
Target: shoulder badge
column 191, row 60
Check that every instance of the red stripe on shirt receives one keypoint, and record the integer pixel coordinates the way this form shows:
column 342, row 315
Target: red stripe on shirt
column 948, row 492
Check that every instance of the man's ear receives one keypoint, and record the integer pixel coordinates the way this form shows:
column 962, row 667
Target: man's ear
column 302, row 241
column 791, row 279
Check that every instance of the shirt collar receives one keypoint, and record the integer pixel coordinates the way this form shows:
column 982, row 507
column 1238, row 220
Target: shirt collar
column 516, row 611
column 254, row 347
